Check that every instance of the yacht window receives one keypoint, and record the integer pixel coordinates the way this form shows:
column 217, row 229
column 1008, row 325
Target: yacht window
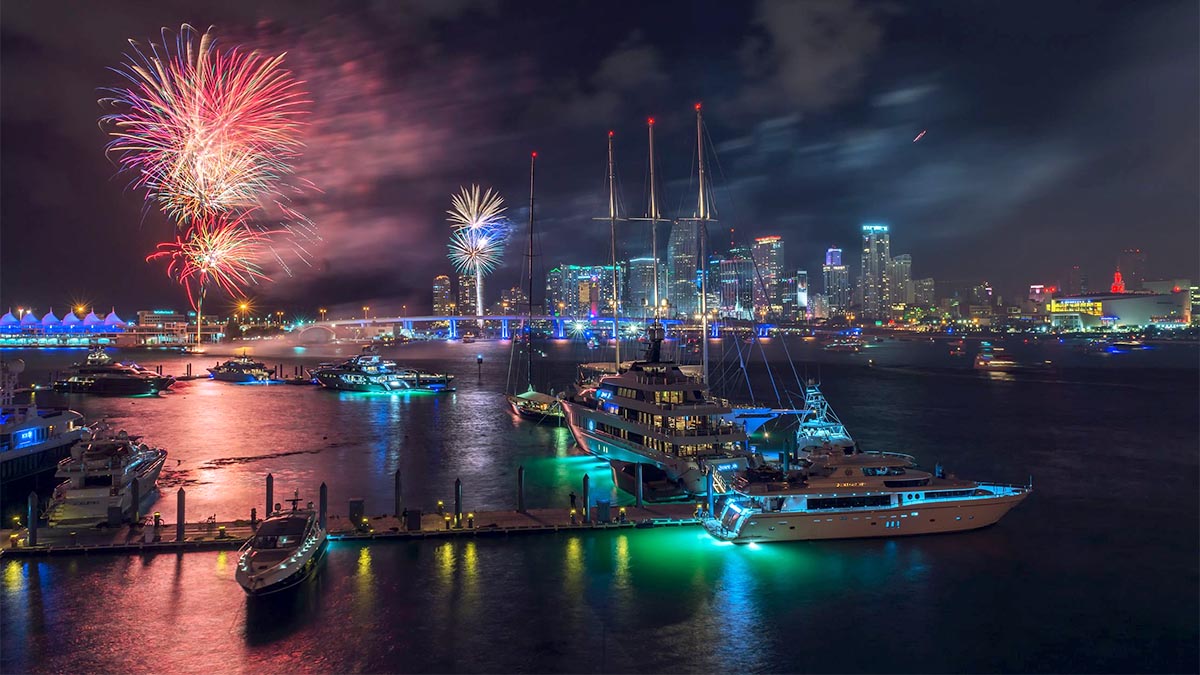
column 883, row 470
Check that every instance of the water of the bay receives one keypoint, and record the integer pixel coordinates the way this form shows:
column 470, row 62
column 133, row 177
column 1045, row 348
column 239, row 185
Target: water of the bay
column 1096, row 571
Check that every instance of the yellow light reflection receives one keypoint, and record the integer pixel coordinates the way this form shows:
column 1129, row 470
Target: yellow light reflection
column 14, row 577
column 445, row 556
column 364, row 581
column 622, row 567
column 222, row 561
column 573, row 573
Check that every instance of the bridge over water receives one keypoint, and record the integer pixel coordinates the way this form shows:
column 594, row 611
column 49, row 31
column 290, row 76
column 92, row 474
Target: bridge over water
column 560, row 325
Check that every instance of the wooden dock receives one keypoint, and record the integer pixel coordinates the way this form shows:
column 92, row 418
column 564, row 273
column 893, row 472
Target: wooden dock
column 146, row 538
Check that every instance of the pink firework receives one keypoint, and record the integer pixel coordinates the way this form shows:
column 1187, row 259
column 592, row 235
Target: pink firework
column 218, row 251
column 204, row 130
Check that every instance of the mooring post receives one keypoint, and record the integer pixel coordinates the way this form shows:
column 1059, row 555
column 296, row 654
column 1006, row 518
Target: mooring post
column 270, row 495
column 587, row 499
column 399, row 505
column 711, row 496
column 32, row 518
column 457, row 502
column 521, row 489
column 786, row 456
column 180, row 517
column 638, row 478
column 324, row 505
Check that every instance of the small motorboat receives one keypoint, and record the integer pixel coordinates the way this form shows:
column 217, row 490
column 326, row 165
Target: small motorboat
column 284, row 551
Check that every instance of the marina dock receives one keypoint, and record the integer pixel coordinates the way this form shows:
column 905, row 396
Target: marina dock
column 148, row 538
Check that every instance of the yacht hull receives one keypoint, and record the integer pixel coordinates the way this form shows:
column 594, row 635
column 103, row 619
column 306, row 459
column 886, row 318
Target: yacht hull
column 89, row 507
column 534, row 413
column 115, row 386
column 888, row 522
column 238, row 378
column 686, row 473
column 277, row 581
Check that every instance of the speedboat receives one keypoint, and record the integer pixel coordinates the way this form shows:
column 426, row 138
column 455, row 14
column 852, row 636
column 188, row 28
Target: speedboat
column 100, row 374
column 32, row 438
column 241, row 369
column 850, row 345
column 997, row 360
column 107, row 477
column 284, row 551
column 840, row 495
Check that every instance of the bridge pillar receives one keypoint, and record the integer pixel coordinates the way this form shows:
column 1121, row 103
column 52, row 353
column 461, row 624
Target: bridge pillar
column 453, row 329
column 504, row 333
column 408, row 326
column 560, row 329
column 715, row 330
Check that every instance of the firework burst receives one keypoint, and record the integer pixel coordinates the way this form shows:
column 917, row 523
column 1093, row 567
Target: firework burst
column 475, row 209
column 476, row 253
column 215, row 251
column 205, row 131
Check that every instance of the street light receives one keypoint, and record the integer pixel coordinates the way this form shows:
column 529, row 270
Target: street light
column 365, row 310
column 322, row 312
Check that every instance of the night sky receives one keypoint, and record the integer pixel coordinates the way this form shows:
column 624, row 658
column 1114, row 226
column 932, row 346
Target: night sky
column 1058, row 134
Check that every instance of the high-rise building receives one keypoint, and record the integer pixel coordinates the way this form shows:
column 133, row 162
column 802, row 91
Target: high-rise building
column 683, row 256
column 924, row 293
column 836, row 278
column 582, row 290
column 1077, row 281
column 736, row 281
column 466, row 295
column 818, row 307
column 513, row 301
column 794, row 296
column 876, row 277
column 1132, row 263
column 443, row 296
column 901, row 279
column 768, row 263
column 640, row 294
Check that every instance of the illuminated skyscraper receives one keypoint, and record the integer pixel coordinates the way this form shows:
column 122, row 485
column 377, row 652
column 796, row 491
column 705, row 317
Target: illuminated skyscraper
column 901, row 279
column 924, row 293
column 443, row 296
column 683, row 250
column 582, row 290
column 466, row 295
column 833, row 257
column 836, row 277
column 876, row 279
column 768, row 262
column 1132, row 263
column 640, row 295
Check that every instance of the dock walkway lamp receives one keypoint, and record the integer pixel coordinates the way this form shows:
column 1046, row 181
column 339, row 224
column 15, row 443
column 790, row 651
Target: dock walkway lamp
column 479, row 366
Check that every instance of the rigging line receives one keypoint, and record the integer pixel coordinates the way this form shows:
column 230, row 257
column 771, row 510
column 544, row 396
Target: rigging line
column 763, row 286
column 745, row 371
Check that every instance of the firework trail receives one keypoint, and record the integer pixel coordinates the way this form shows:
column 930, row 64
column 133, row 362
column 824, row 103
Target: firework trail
column 204, row 130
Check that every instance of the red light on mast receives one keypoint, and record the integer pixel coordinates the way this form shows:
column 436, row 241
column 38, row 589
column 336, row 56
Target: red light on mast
column 697, row 107
column 533, row 154
column 610, row 134
column 650, row 121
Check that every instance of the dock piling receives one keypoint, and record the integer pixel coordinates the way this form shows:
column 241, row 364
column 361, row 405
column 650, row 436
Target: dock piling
column 785, row 457
column 638, row 480
column 189, row 370
column 587, row 500
column 324, row 505
column 32, row 518
column 270, row 493
column 180, row 519
column 521, row 489
column 457, row 502
column 399, row 505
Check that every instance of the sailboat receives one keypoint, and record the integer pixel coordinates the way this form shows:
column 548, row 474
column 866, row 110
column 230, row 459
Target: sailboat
column 533, row 404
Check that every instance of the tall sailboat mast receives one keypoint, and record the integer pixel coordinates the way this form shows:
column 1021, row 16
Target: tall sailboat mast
column 702, row 216
column 529, row 313
column 612, row 225
column 654, row 215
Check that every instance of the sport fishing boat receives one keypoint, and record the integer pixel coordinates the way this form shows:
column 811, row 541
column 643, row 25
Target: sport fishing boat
column 107, row 477
column 839, row 494
column 241, row 369
column 284, row 551
column 100, row 374
column 654, row 414
column 820, row 427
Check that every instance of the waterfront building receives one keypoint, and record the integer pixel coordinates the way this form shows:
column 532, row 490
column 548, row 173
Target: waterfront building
column 1106, row 310
column 443, row 296
column 876, row 281
column 1132, row 265
column 836, row 282
column 768, row 262
column 683, row 253
column 818, row 306
column 466, row 295
column 512, row 301
column 582, row 290
column 901, row 279
column 640, row 293
column 924, row 293
column 735, row 283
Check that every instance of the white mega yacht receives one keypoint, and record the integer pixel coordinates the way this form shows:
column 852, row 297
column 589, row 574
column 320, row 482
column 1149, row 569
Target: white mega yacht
column 842, row 494
column 32, row 438
column 100, row 476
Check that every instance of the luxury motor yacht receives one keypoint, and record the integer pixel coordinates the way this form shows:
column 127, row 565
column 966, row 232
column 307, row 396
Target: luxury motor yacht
column 241, row 369
column 839, row 494
column 371, row 373
column 32, row 438
column 655, row 414
column 100, row 374
column 284, row 551
column 104, row 476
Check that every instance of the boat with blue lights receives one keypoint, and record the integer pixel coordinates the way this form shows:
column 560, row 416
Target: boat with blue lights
column 847, row 493
column 998, row 360
column 819, row 425
column 241, row 369
column 100, row 374
column 32, row 438
column 369, row 372
column 285, row 550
